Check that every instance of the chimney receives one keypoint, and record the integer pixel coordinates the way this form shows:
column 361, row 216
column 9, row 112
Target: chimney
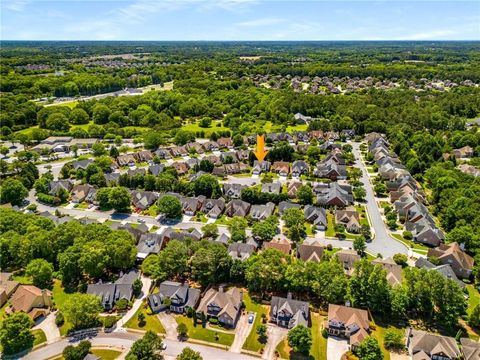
column 289, row 295
column 220, row 289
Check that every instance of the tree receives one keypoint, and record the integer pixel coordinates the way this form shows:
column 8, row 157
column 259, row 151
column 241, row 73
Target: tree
column 359, row 193
column 208, row 186
column 266, row 271
column 119, row 198
column 101, row 113
column 295, row 222
column 380, row 189
column 206, row 166
column 305, row 195
column 98, row 149
column 189, row 354
column 172, row 262
column 182, row 330
column 393, row 340
column 77, row 352
column 210, row 231
column 15, row 334
column 300, row 339
column 153, row 139
column 12, row 191
column 236, row 227
column 237, row 140
column 262, row 333
column 211, row 264
column 400, row 259
column 146, row 348
column 141, row 319
column 359, row 245
column 137, row 287
column 41, row 272
column 170, row 207
column 369, row 349
column 82, row 310
column 474, row 318
column 264, row 230
column 205, row 122
column 57, row 122
column 79, row 116
column 183, row 137
column 114, row 153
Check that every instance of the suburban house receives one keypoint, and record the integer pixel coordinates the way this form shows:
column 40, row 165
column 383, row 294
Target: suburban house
column 317, row 216
column 445, row 270
column 149, row 243
column 81, row 164
column 237, row 208
column 225, row 142
column 180, row 167
column 233, row 190
column 453, row 255
column 229, row 157
column 260, row 166
column 424, row 345
column 281, row 167
column 156, row 169
column 282, row 245
column 394, row 271
column 299, row 167
column 7, row 287
column 190, row 205
column 136, row 172
column 225, row 306
column 142, row 200
column 57, row 185
column 31, row 300
column 310, row 252
column 211, row 146
column 176, row 234
column 349, row 218
column 348, row 322
column 196, row 147
column 83, row 143
column 163, row 154
column 178, row 151
column 175, row 296
column 302, row 119
column 214, row 159
column 470, row 349
column 79, row 193
column 126, row 160
column 333, row 194
column 347, row 259
column 273, row 188
column 292, row 188
column 287, row 312
column 143, row 156
column 465, row 152
column 330, row 169
column 213, row 208
column 110, row 293
column 261, row 212
column 241, row 251
column 284, row 205
column 112, row 179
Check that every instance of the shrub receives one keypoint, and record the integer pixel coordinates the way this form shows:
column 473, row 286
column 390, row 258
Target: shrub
column 407, row 235
column 121, row 304
column 400, row 259
column 109, row 321
column 59, row 319
column 393, row 340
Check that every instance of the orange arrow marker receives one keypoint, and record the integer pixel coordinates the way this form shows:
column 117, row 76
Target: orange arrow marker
column 260, row 153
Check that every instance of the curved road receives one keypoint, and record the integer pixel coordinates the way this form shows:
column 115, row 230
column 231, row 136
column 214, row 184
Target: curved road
column 125, row 341
column 382, row 243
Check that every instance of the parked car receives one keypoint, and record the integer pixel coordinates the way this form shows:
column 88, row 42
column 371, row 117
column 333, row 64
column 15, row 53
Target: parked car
column 250, row 318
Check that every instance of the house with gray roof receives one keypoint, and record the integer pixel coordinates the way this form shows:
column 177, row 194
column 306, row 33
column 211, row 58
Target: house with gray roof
column 333, row 194
column 149, row 243
column 56, row 185
column 287, row 312
column 110, row 293
column 272, row 188
column 261, row 212
column 470, row 349
column 176, row 297
column 81, row 164
column 284, row 205
column 142, row 200
column 241, row 251
column 237, row 208
column 181, row 234
column 233, row 190
column 260, row 166
column 299, row 167
column 317, row 216
column 330, row 169
column 427, row 346
column 156, row 169
column 213, row 208
column 112, row 179
column 445, row 270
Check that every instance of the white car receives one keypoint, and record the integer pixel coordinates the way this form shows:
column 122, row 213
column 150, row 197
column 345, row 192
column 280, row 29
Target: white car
column 164, row 346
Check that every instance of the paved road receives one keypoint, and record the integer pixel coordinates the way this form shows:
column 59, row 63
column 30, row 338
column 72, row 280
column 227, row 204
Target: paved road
column 125, row 341
column 382, row 243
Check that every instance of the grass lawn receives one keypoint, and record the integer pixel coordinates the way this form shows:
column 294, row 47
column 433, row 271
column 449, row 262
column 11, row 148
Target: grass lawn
column 222, row 220
column 106, row 354
column 473, row 299
column 59, row 297
column 213, row 128
column 319, row 343
column 309, row 228
column 330, row 252
column 330, row 232
column 299, row 127
column 252, row 343
column 419, row 248
column 23, row 279
column 151, row 321
column 200, row 333
column 283, row 349
column 379, row 334
column 363, row 214
column 40, row 337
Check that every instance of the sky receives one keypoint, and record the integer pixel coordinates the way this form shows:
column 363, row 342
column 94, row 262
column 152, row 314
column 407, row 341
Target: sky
column 239, row 20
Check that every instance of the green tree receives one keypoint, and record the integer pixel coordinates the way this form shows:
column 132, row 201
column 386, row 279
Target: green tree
column 12, row 191
column 182, row 330
column 359, row 193
column 15, row 334
column 237, row 226
column 210, row 231
column 79, row 116
column 41, row 272
column 101, row 113
column 305, row 195
column 393, row 340
column 170, row 207
column 98, row 149
column 205, row 122
column 183, row 137
column 266, row 271
column 82, row 310
column 264, row 230
column 119, row 198
column 208, row 186
column 369, row 349
column 114, row 153
column 77, row 352
column 262, row 333
column 146, row 348
column 57, row 122
column 300, row 339
column 211, row 264
column 172, row 261
column 189, row 354
column 359, row 245
column 295, row 223
column 474, row 318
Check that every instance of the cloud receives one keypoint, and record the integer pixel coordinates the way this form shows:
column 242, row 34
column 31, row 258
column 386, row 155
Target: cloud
column 260, row 22
column 14, row 5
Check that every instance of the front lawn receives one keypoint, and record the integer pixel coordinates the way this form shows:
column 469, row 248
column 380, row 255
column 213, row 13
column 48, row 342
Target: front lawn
column 152, row 322
column 200, row 333
column 252, row 343
column 59, row 297
column 330, row 232
column 419, row 248
column 40, row 337
column 106, row 354
column 363, row 215
column 473, row 298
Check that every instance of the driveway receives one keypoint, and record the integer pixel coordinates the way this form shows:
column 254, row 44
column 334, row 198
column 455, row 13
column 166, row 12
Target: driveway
column 169, row 323
column 242, row 331
column 382, row 243
column 336, row 347
column 275, row 335
column 48, row 326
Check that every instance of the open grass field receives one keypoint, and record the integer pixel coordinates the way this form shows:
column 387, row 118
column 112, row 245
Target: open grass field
column 252, row 343
column 200, row 333
column 194, row 127
column 151, row 321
